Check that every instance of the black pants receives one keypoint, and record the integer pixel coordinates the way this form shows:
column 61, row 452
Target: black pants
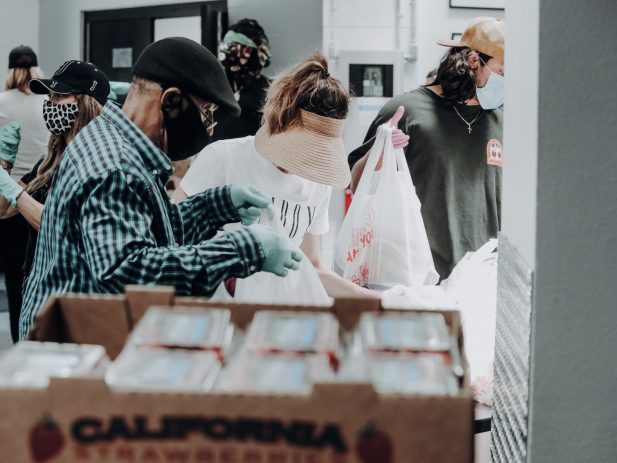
column 13, row 243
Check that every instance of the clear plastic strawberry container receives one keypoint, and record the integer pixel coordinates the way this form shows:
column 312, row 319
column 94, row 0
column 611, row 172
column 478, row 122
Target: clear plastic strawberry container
column 282, row 374
column 403, row 332
column 185, row 328
column 32, row 364
column 143, row 368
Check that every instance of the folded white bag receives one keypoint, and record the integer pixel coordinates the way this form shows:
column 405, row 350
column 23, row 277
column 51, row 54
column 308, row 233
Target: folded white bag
column 382, row 242
column 299, row 287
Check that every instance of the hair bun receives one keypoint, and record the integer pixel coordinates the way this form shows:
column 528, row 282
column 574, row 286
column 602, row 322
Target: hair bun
column 308, row 86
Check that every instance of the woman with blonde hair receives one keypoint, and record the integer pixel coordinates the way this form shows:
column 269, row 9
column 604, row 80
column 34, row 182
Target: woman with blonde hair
column 18, row 104
column 296, row 157
column 76, row 93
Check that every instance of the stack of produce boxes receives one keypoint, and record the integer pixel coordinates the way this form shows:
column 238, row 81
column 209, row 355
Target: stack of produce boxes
column 242, row 384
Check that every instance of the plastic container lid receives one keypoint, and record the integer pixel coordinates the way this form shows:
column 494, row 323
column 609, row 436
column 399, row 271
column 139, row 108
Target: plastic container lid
column 284, row 374
column 158, row 369
column 402, row 331
column 184, row 327
column 413, row 374
column 391, row 373
column 300, row 332
column 32, row 363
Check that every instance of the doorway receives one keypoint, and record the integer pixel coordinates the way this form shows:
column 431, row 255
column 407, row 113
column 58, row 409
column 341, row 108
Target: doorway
column 113, row 39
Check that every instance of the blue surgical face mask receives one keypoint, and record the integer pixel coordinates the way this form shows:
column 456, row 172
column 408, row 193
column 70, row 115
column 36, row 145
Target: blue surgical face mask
column 491, row 96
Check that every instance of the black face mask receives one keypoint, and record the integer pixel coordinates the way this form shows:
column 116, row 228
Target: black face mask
column 186, row 135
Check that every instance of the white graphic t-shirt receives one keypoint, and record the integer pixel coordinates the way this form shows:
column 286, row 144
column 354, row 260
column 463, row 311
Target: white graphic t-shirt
column 302, row 204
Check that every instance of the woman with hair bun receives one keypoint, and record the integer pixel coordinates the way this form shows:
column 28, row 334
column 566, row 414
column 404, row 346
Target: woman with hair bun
column 296, row 157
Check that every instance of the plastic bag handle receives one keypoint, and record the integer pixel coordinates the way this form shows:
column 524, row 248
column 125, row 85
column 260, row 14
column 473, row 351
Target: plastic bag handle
column 388, row 172
column 384, row 135
column 401, row 161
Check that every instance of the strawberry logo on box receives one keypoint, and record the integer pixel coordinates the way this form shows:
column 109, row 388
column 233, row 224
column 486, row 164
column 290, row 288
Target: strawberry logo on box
column 373, row 445
column 45, row 439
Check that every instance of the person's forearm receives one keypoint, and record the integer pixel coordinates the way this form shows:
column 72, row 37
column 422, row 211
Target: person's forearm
column 31, row 209
column 357, row 170
column 192, row 270
column 204, row 213
column 337, row 286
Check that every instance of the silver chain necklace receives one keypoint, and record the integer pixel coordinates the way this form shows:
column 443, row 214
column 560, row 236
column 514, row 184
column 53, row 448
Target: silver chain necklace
column 465, row 121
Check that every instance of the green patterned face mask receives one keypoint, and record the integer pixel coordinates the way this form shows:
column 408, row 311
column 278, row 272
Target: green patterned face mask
column 236, row 37
column 235, row 50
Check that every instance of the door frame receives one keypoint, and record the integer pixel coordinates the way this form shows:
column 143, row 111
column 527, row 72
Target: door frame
column 214, row 19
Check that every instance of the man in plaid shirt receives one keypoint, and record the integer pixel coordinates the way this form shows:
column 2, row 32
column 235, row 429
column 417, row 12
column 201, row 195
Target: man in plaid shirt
column 108, row 221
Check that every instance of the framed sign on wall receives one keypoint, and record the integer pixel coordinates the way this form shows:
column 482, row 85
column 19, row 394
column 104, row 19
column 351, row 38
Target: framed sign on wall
column 479, row 4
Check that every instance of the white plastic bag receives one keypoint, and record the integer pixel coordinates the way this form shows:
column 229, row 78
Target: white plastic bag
column 473, row 285
column 382, row 242
column 419, row 297
column 299, row 287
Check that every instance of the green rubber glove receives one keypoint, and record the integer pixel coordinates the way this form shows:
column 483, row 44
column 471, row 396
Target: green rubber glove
column 117, row 89
column 249, row 202
column 280, row 254
column 10, row 136
column 9, row 188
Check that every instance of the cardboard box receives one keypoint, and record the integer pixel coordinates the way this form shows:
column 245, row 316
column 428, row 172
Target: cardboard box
column 337, row 423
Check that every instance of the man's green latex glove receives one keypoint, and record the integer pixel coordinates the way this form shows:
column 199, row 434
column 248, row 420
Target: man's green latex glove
column 280, row 254
column 10, row 136
column 249, row 202
column 9, row 188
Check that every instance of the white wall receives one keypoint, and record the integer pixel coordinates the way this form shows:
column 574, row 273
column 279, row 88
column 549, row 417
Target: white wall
column 521, row 128
column 573, row 380
column 19, row 25
column 61, row 30
column 293, row 26
column 370, row 25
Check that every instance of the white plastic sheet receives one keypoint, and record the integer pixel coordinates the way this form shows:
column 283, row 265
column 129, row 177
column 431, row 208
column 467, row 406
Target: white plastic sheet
column 418, row 297
column 299, row 287
column 473, row 285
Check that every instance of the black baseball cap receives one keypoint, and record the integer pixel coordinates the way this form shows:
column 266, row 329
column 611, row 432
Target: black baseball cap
column 75, row 77
column 22, row 57
column 184, row 63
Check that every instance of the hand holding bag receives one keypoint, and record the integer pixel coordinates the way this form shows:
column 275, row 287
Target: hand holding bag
column 382, row 242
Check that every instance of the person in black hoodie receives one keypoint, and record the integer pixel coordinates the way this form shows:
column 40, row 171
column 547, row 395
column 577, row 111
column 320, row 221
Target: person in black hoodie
column 244, row 52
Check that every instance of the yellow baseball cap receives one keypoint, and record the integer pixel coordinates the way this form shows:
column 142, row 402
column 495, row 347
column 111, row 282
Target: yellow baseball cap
column 484, row 34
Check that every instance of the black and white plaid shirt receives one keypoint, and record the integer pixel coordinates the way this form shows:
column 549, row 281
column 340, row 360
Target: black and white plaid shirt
column 108, row 222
